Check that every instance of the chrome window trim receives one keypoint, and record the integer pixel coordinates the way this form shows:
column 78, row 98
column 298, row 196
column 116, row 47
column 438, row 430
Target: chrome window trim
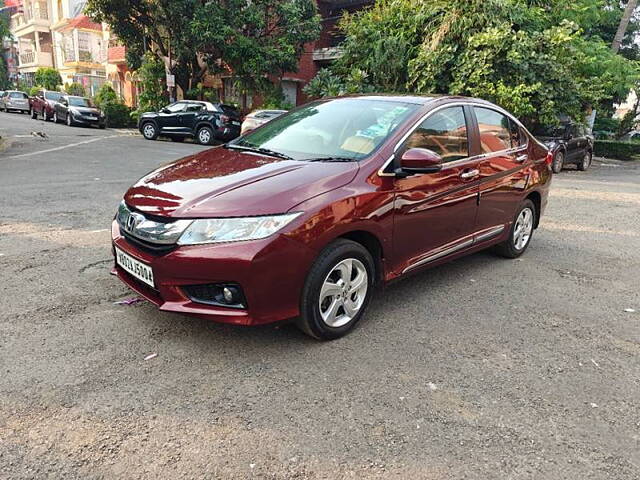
column 510, row 151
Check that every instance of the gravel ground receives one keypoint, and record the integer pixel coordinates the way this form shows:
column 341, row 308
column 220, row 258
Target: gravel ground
column 482, row 368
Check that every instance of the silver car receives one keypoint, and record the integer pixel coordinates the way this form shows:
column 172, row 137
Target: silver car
column 15, row 100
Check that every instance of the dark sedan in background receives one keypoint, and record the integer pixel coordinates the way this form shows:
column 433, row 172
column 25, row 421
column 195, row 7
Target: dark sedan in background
column 570, row 143
column 78, row 111
column 204, row 121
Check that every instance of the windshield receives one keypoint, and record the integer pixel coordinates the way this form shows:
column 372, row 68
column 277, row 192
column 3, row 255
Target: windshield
column 55, row 96
column 80, row 102
column 350, row 128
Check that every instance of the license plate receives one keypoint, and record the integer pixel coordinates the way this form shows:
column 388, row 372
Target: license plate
column 90, row 117
column 136, row 268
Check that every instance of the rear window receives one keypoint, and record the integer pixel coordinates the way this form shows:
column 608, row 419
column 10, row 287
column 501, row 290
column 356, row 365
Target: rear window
column 229, row 110
column 18, row 95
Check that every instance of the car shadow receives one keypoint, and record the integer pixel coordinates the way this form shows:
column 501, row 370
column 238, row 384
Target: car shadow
column 383, row 308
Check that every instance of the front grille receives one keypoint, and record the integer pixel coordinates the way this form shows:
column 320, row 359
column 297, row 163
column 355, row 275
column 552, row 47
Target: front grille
column 152, row 248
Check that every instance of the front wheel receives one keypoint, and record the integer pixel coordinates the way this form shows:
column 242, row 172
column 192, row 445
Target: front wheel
column 337, row 290
column 55, row 117
column 205, row 136
column 149, row 131
column 585, row 163
column 70, row 122
column 558, row 162
column 520, row 233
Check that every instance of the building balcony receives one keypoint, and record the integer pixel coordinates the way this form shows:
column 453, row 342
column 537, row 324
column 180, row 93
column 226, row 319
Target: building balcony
column 35, row 19
column 327, row 54
column 35, row 59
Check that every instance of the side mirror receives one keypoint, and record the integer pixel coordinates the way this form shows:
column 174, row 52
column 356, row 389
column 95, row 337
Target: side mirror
column 164, row 110
column 418, row 160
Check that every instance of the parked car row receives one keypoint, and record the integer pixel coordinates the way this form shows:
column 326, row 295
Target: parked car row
column 56, row 106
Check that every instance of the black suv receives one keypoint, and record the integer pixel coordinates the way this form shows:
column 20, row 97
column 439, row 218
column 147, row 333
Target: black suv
column 205, row 121
column 570, row 143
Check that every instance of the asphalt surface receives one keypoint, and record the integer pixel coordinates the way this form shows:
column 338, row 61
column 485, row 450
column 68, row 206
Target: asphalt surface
column 483, row 368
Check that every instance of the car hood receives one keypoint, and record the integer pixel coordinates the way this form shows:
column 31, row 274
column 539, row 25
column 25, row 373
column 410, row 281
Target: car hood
column 226, row 183
column 85, row 110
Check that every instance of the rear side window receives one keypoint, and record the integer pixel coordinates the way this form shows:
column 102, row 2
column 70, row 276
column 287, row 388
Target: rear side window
column 495, row 130
column 518, row 137
column 194, row 107
column 445, row 133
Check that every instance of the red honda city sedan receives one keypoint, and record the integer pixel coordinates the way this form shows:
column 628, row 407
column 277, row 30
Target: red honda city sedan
column 304, row 216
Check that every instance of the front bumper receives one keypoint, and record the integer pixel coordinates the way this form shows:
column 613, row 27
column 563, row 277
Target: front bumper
column 81, row 120
column 271, row 281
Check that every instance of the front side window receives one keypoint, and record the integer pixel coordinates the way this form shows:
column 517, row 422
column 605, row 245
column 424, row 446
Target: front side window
column 175, row 107
column 445, row 133
column 346, row 128
column 495, row 134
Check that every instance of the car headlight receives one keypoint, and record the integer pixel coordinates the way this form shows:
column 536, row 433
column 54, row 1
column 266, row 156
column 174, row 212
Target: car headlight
column 217, row 230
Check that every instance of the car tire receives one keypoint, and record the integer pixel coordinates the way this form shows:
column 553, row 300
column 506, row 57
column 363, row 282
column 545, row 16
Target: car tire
column 331, row 306
column 558, row 162
column 521, row 231
column 585, row 163
column 34, row 114
column 149, row 131
column 204, row 136
column 55, row 117
column 69, row 120
column 177, row 139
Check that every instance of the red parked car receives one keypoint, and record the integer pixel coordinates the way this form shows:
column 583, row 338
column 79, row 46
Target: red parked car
column 43, row 104
column 304, row 216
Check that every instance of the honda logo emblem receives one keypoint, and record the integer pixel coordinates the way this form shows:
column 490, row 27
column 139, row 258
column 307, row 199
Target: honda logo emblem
column 133, row 220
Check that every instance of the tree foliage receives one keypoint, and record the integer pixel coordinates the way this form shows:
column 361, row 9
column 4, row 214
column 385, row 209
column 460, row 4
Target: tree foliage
column 152, row 76
column 48, row 78
column 74, row 89
column 538, row 59
column 251, row 39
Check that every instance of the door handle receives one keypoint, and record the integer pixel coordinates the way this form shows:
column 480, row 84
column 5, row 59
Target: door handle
column 522, row 158
column 469, row 174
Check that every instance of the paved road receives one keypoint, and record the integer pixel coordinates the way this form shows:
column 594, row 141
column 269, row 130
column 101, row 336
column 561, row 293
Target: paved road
column 483, row 368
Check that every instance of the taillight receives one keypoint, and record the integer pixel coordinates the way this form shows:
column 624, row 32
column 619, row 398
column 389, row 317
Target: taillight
column 549, row 159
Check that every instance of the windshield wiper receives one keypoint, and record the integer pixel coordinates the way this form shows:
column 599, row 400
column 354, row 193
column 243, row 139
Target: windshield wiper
column 331, row 159
column 264, row 151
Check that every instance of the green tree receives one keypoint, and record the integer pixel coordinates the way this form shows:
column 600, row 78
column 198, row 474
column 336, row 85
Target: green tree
column 74, row 89
column 533, row 58
column 5, row 84
column 48, row 78
column 151, row 75
column 252, row 39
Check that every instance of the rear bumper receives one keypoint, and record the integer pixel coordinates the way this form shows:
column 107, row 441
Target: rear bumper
column 270, row 281
column 227, row 133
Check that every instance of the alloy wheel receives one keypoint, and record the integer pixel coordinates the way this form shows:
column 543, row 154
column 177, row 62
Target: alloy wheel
column 523, row 229
column 343, row 292
column 204, row 136
column 149, row 131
